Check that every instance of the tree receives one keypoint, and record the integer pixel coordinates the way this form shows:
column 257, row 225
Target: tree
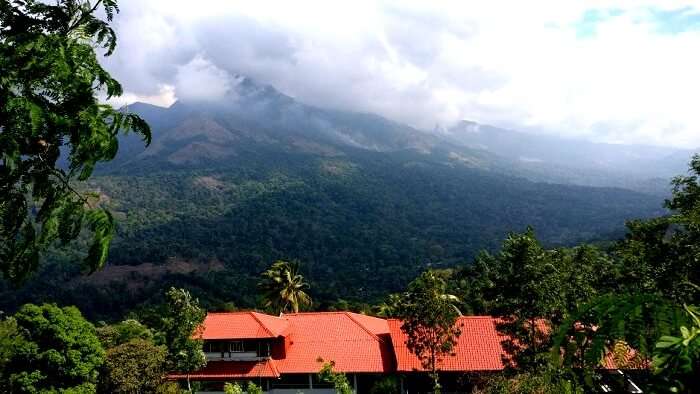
column 181, row 320
column 232, row 388
column 429, row 321
column 677, row 358
column 253, row 388
column 386, row 385
column 660, row 255
column 283, row 287
column 389, row 308
column 338, row 379
column 659, row 260
column 123, row 332
column 526, row 291
column 11, row 341
column 61, row 351
column 546, row 381
column 134, row 367
column 594, row 329
column 50, row 79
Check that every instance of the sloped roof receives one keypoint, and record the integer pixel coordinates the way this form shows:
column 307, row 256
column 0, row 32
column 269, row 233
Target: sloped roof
column 215, row 370
column 478, row 347
column 356, row 343
column 242, row 325
column 374, row 324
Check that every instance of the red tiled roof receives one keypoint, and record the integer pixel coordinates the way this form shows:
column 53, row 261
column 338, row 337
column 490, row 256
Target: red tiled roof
column 478, row 347
column 232, row 370
column 356, row 343
column 242, row 325
column 376, row 325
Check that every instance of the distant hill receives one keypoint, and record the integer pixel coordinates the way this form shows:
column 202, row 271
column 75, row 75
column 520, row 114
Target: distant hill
column 562, row 160
column 364, row 203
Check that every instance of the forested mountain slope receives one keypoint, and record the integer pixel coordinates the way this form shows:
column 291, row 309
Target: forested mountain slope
column 362, row 202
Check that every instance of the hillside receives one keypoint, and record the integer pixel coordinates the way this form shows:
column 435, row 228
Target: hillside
column 362, row 202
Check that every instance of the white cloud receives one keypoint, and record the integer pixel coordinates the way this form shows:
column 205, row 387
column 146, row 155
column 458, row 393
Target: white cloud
column 514, row 64
column 200, row 80
column 165, row 97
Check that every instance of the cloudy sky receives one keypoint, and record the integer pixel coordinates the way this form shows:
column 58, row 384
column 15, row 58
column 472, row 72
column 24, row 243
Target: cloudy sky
column 613, row 71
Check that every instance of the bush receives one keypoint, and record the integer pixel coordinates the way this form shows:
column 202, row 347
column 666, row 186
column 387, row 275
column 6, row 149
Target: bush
column 232, row 388
column 386, row 385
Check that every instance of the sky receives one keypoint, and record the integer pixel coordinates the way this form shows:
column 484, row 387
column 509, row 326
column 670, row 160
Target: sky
column 620, row 71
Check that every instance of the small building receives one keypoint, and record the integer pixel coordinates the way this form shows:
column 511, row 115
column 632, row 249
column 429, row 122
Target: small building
column 284, row 354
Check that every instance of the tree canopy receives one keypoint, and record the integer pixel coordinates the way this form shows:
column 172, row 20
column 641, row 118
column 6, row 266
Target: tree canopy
column 54, row 129
column 429, row 321
column 55, row 349
column 654, row 309
column 284, row 287
column 180, row 318
column 136, row 366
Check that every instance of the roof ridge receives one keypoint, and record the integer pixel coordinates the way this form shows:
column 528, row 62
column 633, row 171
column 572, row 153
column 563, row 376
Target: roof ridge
column 458, row 317
column 349, row 315
column 233, row 312
column 273, row 366
column 317, row 313
column 261, row 323
column 267, row 315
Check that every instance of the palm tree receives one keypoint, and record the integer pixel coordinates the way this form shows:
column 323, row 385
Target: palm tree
column 283, row 287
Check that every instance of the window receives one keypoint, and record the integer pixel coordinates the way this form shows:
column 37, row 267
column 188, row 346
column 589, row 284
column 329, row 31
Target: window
column 212, row 347
column 236, row 347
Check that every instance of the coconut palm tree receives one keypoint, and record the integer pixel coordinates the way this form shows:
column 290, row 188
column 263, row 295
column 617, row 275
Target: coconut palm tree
column 283, row 287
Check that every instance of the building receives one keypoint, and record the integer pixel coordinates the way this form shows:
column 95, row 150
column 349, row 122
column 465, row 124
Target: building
column 283, row 354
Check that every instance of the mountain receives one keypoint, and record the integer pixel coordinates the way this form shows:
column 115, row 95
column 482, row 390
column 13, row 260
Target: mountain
column 363, row 202
column 562, row 160
column 254, row 117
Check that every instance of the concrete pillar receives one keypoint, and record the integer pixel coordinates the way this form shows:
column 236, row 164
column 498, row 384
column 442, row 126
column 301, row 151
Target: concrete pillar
column 311, row 381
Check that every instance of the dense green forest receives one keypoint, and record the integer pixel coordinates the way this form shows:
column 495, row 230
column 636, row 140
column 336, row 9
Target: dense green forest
column 362, row 225
column 636, row 297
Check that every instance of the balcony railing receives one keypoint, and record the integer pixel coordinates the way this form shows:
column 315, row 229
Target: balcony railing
column 234, row 356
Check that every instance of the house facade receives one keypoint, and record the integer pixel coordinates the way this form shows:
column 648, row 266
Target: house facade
column 283, row 354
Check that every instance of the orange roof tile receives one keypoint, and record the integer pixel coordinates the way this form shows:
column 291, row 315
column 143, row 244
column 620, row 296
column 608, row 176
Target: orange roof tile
column 478, row 347
column 374, row 324
column 242, row 325
column 356, row 343
column 231, row 370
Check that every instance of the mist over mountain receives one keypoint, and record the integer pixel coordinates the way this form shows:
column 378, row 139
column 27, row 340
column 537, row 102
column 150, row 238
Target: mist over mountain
column 253, row 116
column 544, row 151
column 363, row 202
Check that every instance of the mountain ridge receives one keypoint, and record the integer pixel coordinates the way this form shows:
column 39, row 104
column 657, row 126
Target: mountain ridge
column 278, row 119
column 364, row 204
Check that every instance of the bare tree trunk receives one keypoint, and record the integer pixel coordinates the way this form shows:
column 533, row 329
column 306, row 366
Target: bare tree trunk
column 434, row 374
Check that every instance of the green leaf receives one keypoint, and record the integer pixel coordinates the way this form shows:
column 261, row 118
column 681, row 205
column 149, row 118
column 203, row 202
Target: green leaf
column 101, row 223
